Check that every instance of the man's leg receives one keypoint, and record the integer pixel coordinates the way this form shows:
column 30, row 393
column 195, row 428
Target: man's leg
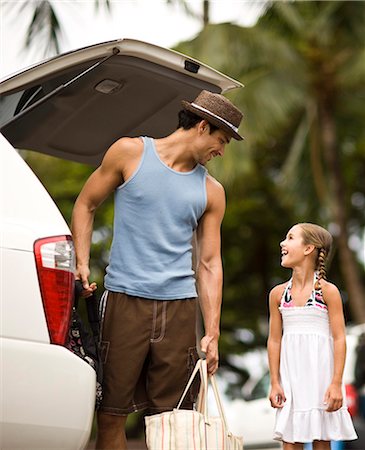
column 111, row 432
column 126, row 333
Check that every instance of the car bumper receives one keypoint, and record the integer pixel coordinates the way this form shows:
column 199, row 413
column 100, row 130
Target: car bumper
column 48, row 397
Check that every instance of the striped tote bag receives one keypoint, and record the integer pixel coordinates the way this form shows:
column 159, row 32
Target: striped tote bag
column 182, row 429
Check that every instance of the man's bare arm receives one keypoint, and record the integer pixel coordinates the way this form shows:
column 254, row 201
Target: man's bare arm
column 102, row 182
column 209, row 272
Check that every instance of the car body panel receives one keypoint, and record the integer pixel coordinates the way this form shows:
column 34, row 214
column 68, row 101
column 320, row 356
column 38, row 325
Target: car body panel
column 76, row 105
column 47, row 397
column 27, row 211
column 352, row 337
column 21, row 304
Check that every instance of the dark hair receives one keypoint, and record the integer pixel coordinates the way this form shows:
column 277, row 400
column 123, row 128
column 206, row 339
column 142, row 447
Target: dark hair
column 188, row 120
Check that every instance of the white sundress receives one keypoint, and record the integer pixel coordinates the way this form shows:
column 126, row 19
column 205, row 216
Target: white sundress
column 306, row 368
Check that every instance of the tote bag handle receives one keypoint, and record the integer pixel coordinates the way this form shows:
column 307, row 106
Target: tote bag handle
column 202, row 407
column 197, row 368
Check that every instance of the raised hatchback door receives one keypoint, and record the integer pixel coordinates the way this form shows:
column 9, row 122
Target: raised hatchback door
column 75, row 105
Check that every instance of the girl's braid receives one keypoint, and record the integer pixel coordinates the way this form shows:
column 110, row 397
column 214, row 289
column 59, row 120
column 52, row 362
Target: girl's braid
column 321, row 266
column 321, row 239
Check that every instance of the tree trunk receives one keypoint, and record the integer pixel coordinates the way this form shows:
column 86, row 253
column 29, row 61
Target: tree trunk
column 349, row 266
column 206, row 12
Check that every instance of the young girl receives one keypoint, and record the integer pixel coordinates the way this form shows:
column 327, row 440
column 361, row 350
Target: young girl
column 307, row 346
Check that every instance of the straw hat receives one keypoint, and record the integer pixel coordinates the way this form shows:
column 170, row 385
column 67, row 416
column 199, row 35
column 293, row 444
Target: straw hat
column 218, row 110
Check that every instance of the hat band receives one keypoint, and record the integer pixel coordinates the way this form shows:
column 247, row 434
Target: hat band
column 215, row 115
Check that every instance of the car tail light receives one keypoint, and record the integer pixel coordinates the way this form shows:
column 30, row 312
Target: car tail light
column 55, row 260
column 352, row 400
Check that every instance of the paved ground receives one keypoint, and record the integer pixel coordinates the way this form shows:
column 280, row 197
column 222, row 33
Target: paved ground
column 140, row 445
column 132, row 445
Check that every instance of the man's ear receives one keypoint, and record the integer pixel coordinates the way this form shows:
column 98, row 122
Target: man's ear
column 203, row 126
column 309, row 249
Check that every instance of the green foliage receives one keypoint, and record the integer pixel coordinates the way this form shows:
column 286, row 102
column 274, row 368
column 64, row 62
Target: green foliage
column 278, row 175
column 298, row 56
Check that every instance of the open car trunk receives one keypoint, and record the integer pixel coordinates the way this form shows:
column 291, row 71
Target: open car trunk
column 74, row 106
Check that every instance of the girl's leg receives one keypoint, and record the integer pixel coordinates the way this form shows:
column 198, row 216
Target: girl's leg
column 289, row 446
column 321, row 445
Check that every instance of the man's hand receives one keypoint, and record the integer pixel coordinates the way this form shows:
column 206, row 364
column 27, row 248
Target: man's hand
column 209, row 345
column 83, row 273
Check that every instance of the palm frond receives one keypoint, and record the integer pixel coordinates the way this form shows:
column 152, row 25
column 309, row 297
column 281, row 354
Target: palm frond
column 289, row 13
column 186, row 7
column 44, row 22
column 105, row 3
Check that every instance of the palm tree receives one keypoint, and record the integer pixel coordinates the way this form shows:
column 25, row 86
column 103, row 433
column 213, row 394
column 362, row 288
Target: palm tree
column 204, row 17
column 45, row 26
column 303, row 67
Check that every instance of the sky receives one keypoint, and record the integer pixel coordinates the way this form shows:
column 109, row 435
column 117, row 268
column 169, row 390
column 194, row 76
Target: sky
column 148, row 20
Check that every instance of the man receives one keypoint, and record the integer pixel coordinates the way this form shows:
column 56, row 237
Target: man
column 162, row 195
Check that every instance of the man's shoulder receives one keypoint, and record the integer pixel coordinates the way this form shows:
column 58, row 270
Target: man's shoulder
column 216, row 197
column 124, row 148
column 214, row 184
column 127, row 144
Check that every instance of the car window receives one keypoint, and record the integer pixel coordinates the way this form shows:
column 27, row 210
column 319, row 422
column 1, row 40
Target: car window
column 8, row 107
column 14, row 103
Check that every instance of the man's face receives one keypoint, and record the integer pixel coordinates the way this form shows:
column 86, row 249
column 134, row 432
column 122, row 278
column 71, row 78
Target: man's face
column 213, row 144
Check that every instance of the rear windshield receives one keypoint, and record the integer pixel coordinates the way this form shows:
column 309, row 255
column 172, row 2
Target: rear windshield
column 11, row 105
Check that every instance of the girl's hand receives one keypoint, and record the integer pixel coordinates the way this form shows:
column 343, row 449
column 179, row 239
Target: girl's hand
column 333, row 397
column 277, row 397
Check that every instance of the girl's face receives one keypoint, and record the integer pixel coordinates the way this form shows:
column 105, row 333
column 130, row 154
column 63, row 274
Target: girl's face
column 293, row 249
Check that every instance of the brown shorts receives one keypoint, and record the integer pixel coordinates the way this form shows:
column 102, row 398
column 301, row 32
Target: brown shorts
column 149, row 351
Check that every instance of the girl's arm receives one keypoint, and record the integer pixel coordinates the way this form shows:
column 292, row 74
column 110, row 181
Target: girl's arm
column 277, row 397
column 332, row 297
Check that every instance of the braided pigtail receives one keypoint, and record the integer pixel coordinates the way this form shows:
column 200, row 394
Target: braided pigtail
column 321, row 267
column 321, row 239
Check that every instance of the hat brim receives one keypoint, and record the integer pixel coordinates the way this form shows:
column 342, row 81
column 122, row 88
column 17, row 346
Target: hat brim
column 212, row 119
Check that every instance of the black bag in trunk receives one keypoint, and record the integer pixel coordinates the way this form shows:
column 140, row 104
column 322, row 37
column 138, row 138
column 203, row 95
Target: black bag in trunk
column 84, row 341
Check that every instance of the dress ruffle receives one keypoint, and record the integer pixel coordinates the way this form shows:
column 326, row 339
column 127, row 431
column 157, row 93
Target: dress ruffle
column 316, row 424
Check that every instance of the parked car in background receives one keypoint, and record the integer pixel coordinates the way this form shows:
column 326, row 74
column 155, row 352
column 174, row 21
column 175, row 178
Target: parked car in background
column 355, row 391
column 251, row 416
column 72, row 106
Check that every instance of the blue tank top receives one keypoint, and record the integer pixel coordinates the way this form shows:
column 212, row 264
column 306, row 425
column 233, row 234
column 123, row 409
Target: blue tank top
column 155, row 213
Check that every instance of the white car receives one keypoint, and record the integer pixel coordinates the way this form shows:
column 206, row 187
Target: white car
column 73, row 107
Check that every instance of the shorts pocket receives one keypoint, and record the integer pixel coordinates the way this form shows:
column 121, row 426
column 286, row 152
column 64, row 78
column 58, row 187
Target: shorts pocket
column 104, row 350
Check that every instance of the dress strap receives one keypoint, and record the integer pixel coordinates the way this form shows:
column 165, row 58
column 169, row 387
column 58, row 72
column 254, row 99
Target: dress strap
column 286, row 297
